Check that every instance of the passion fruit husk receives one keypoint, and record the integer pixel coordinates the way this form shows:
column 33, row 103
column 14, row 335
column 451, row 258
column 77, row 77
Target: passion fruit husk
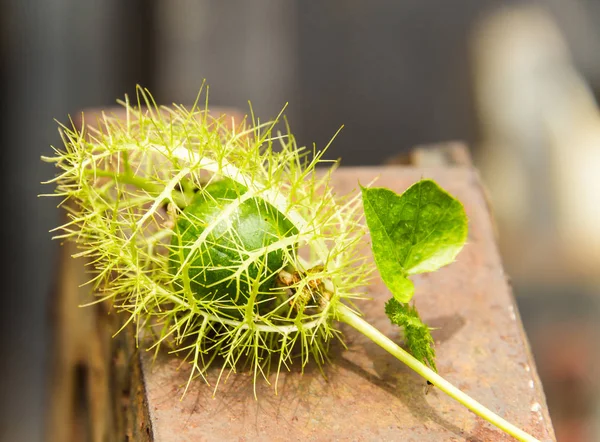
column 253, row 225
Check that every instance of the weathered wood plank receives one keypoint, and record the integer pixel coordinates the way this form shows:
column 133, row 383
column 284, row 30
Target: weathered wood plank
column 449, row 153
column 96, row 390
column 368, row 395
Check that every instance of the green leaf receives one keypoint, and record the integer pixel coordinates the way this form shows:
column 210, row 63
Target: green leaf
column 416, row 232
column 417, row 335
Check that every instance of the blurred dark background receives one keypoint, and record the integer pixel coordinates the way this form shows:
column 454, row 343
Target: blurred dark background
column 395, row 74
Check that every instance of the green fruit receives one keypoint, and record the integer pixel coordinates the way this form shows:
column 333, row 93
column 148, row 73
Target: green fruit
column 253, row 225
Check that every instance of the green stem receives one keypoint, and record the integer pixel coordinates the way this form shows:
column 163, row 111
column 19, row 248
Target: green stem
column 128, row 178
column 349, row 317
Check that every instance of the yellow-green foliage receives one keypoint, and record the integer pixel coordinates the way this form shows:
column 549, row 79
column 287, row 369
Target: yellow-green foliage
column 126, row 183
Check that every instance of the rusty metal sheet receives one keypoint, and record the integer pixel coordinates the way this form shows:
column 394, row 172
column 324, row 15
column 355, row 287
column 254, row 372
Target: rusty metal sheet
column 368, row 395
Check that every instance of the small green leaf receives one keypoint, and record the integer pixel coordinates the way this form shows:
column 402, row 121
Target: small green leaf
column 417, row 335
column 416, row 232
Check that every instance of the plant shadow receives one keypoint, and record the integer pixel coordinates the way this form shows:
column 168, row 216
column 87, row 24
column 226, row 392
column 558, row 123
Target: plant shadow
column 297, row 387
column 303, row 389
column 444, row 327
column 407, row 387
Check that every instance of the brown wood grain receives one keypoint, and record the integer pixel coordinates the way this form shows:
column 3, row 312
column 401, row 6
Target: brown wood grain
column 367, row 394
column 107, row 389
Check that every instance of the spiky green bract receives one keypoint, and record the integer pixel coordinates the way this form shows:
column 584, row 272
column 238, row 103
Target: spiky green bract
column 417, row 335
column 124, row 183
